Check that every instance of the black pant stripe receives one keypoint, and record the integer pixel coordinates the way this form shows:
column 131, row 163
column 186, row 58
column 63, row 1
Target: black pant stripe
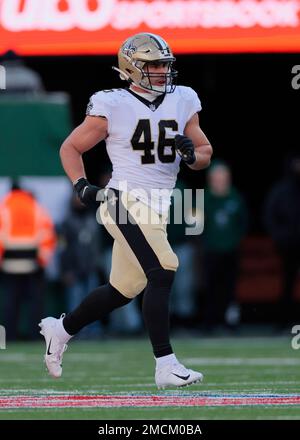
column 133, row 235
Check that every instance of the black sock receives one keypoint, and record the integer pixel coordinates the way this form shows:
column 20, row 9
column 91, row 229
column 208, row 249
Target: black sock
column 96, row 305
column 156, row 310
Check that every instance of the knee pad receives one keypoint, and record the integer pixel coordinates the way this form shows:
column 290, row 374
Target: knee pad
column 161, row 277
column 169, row 260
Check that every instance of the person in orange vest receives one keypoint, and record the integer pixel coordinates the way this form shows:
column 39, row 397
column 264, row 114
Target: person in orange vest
column 27, row 243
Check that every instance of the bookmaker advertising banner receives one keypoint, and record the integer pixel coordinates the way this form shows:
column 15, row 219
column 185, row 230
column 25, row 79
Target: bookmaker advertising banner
column 57, row 27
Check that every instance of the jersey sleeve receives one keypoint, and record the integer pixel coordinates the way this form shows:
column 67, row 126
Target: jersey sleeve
column 98, row 105
column 194, row 103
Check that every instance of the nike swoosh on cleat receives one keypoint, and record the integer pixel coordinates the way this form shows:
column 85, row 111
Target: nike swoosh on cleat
column 182, row 377
column 48, row 350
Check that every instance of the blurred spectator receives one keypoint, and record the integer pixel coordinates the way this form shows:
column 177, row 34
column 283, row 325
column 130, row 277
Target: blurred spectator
column 27, row 243
column 282, row 220
column 80, row 243
column 225, row 227
column 19, row 77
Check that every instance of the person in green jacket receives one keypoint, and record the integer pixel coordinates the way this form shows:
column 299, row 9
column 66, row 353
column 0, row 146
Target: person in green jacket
column 225, row 225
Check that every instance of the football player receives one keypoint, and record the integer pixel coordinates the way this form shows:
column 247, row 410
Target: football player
column 149, row 127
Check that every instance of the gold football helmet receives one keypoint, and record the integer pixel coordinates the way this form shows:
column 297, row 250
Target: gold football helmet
column 134, row 56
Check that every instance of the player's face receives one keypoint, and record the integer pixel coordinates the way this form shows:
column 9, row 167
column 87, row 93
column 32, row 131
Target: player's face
column 157, row 71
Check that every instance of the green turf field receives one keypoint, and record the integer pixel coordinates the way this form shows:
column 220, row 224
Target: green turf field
column 232, row 367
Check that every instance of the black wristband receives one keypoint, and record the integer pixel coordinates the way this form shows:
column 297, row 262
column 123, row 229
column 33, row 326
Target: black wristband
column 80, row 184
column 192, row 159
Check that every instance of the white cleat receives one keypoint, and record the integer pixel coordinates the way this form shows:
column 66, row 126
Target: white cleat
column 176, row 375
column 54, row 347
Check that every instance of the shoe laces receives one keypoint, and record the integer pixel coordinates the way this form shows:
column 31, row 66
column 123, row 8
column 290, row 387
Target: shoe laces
column 171, row 367
column 181, row 369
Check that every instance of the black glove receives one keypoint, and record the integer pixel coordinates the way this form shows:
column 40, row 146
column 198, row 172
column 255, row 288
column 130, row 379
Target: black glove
column 87, row 193
column 185, row 148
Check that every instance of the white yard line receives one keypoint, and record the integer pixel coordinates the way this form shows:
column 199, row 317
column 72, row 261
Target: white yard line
column 241, row 361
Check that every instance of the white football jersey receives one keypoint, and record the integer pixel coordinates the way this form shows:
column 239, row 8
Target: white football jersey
column 140, row 141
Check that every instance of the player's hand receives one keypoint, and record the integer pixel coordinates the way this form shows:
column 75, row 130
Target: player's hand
column 185, row 148
column 87, row 193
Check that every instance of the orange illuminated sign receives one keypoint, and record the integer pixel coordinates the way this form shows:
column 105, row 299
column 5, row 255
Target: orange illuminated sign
column 57, row 27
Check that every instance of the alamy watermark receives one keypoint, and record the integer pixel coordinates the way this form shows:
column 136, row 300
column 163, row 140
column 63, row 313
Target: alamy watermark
column 2, row 338
column 296, row 339
column 2, row 78
column 296, row 78
column 187, row 207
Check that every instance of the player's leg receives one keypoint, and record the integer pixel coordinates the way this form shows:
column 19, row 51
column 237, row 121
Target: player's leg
column 169, row 372
column 145, row 242
column 126, row 281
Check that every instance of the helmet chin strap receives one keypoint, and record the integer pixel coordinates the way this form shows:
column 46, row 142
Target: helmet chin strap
column 155, row 92
column 151, row 91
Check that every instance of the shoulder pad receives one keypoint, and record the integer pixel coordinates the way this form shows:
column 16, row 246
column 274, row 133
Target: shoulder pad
column 101, row 103
column 187, row 93
column 110, row 96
